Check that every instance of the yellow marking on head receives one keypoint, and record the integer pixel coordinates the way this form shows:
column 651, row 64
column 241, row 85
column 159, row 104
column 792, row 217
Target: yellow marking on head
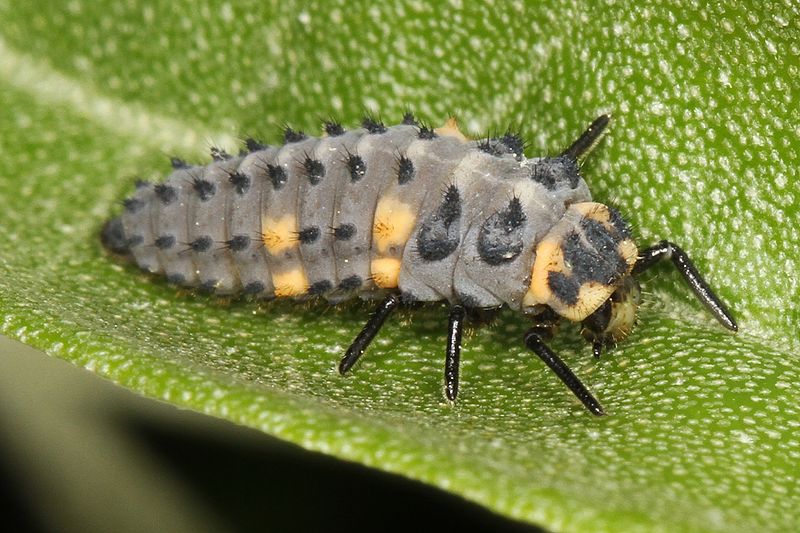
column 279, row 234
column 549, row 257
column 394, row 221
column 290, row 283
column 592, row 210
column 591, row 295
column 450, row 129
column 385, row 272
column 627, row 249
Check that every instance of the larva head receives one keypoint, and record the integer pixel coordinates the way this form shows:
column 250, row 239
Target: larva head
column 581, row 261
column 614, row 319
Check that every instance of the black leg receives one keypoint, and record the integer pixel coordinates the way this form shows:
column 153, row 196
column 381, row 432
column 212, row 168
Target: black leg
column 453, row 355
column 667, row 250
column 371, row 329
column 588, row 139
column 597, row 349
column 535, row 343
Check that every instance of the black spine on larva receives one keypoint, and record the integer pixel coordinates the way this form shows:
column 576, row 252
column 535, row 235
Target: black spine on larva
column 178, row 163
column 426, row 132
column 254, row 145
column 408, row 119
column 240, row 182
column 333, row 128
column 292, row 136
column 218, row 154
column 373, row 125
column 405, row 170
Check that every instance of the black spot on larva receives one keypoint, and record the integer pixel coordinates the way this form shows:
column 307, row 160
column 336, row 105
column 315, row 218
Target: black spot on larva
column 450, row 208
column 438, row 236
column 178, row 163
column 207, row 287
column 204, row 189
column 315, row 170
column 408, row 119
column 500, row 236
column 408, row 298
column 240, row 182
column 603, row 240
column 320, row 287
column 218, row 154
column 510, row 143
column 514, row 143
column 356, row 166
column 141, row 184
column 556, row 172
column 254, row 145
column 565, row 288
column 201, row 244
column 333, row 128
column 602, row 263
column 277, row 175
column 308, row 235
column 176, row 278
column 132, row 205
column 467, row 300
column 165, row 241
column 166, row 193
column 135, row 240
column 425, row 132
column 405, row 170
column 344, row 232
column 237, row 243
column 350, row 283
column 254, row 287
column 113, row 236
column 373, row 125
column 619, row 223
column 291, row 136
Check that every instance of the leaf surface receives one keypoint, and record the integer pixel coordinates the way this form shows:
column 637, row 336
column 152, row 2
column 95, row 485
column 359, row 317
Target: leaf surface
column 703, row 425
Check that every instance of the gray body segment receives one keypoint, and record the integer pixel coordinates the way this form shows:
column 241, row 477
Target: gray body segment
column 139, row 228
column 428, row 277
column 356, row 201
column 317, row 209
column 244, row 219
column 459, row 219
column 279, row 212
column 170, row 214
column 208, row 228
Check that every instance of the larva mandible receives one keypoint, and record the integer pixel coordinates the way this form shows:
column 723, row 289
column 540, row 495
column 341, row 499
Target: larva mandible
column 404, row 213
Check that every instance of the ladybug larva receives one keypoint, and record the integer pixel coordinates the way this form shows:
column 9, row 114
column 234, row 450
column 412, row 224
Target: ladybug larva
column 406, row 214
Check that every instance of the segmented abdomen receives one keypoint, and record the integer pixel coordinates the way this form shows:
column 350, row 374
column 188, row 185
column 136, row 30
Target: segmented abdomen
column 429, row 212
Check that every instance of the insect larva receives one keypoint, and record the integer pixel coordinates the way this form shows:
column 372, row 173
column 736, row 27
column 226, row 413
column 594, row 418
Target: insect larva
column 406, row 214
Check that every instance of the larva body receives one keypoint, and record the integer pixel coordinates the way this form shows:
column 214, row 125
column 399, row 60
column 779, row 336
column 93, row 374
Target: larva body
column 409, row 214
column 438, row 217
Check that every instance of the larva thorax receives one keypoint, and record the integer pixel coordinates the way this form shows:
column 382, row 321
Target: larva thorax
column 424, row 212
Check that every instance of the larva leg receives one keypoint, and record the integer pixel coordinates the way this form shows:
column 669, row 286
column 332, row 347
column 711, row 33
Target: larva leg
column 371, row 328
column 534, row 342
column 667, row 250
column 453, row 352
column 588, row 139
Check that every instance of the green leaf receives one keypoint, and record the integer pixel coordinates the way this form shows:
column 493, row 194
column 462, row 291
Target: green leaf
column 703, row 425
